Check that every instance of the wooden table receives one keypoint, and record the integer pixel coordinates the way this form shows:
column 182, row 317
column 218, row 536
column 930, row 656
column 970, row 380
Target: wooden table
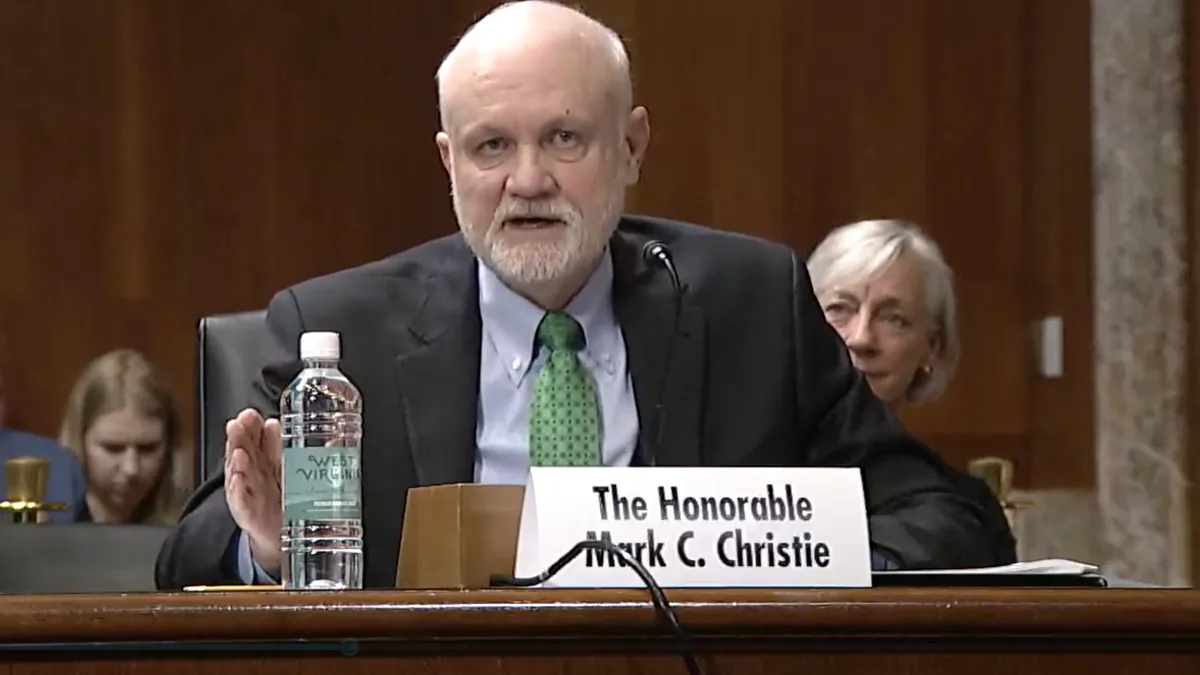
column 529, row 632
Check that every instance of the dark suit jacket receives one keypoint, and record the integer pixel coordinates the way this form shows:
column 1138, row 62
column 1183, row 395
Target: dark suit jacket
column 758, row 378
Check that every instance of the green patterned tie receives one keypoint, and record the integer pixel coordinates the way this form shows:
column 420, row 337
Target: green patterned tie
column 564, row 423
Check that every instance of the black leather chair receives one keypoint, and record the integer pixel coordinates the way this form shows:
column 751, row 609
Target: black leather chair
column 79, row 558
column 229, row 355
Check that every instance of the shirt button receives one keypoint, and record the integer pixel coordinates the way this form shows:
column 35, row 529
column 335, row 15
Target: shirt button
column 516, row 365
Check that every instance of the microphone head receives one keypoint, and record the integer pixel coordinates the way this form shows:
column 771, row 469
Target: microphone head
column 656, row 253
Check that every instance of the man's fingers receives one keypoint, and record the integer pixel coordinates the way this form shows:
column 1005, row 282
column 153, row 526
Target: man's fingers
column 238, row 463
column 240, row 499
column 235, row 437
column 249, row 432
column 249, row 473
column 252, row 422
column 235, row 488
column 253, row 452
column 273, row 447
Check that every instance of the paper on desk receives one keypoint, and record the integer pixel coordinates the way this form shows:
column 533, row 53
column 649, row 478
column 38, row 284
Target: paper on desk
column 1047, row 566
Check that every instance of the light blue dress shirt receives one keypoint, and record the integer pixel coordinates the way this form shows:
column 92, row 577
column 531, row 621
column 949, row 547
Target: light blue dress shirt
column 508, row 368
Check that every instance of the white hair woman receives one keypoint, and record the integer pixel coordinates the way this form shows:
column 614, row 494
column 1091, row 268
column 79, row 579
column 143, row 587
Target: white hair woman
column 886, row 288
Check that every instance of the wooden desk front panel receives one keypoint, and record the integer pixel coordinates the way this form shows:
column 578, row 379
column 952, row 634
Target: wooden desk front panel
column 877, row 632
column 945, row 662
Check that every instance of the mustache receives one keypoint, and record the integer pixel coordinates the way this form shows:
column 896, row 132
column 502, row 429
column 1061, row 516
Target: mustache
column 550, row 210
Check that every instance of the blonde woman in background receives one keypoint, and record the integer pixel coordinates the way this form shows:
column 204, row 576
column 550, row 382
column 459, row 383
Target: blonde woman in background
column 123, row 424
column 885, row 287
column 887, row 290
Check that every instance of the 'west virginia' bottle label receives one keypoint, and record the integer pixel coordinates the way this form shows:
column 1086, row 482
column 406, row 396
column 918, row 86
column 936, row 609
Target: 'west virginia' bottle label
column 322, row 483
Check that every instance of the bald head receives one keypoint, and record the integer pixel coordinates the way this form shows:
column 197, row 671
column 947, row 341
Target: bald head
column 532, row 34
column 540, row 140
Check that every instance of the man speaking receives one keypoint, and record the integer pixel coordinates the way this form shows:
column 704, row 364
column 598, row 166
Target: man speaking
column 450, row 340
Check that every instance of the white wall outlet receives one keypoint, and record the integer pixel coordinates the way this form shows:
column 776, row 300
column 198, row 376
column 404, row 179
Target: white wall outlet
column 1050, row 347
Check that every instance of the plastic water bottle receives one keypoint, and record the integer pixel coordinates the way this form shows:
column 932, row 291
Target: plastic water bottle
column 321, row 413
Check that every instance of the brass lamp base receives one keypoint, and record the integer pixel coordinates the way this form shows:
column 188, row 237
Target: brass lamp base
column 997, row 473
column 26, row 513
column 26, row 479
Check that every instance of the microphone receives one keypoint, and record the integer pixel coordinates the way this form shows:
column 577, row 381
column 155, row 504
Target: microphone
column 656, row 254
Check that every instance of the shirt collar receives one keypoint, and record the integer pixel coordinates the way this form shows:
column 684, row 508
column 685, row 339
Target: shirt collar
column 510, row 321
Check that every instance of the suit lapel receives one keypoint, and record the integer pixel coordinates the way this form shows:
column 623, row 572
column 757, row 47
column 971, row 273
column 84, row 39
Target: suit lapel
column 438, row 376
column 437, row 371
column 643, row 299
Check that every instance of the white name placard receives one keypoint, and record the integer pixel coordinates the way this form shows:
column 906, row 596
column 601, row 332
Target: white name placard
column 698, row 526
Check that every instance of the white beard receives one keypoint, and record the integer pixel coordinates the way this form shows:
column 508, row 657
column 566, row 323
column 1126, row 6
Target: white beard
column 529, row 265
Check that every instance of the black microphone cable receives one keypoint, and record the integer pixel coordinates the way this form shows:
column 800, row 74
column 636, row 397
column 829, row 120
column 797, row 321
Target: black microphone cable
column 656, row 253
column 658, row 598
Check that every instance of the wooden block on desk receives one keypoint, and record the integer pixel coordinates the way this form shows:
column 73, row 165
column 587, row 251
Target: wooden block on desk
column 457, row 536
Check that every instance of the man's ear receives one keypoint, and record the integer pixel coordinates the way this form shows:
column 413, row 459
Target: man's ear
column 443, row 144
column 637, row 139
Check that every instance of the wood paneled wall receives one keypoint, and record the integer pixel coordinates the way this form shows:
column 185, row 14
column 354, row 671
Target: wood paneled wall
column 163, row 161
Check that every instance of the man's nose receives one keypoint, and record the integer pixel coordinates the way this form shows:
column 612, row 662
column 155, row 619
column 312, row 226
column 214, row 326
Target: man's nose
column 530, row 178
